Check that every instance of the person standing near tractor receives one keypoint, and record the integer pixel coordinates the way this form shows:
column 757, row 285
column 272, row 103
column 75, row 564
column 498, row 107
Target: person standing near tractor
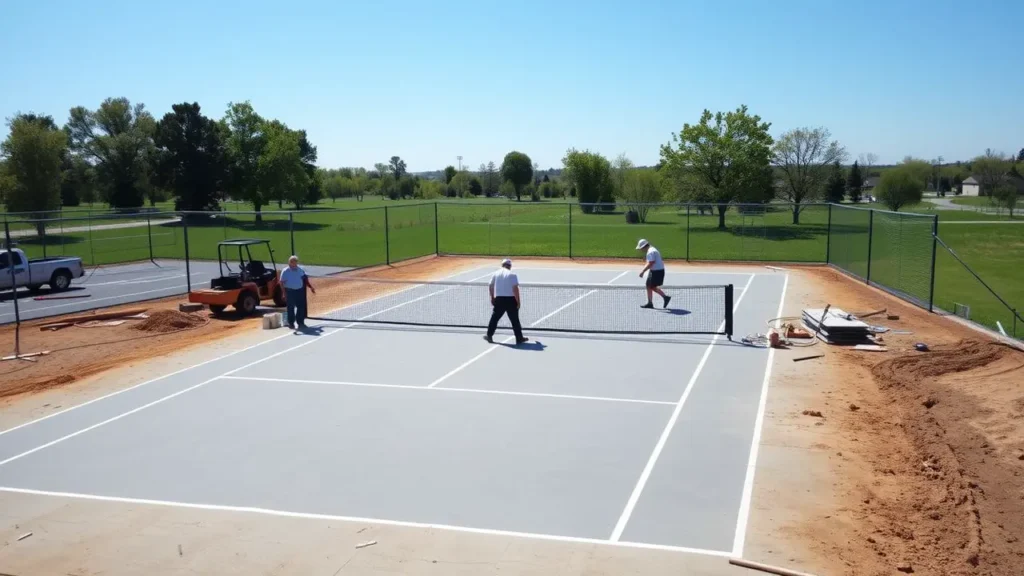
column 295, row 281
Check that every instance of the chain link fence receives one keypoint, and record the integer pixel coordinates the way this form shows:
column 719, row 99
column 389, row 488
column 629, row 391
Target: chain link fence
column 893, row 251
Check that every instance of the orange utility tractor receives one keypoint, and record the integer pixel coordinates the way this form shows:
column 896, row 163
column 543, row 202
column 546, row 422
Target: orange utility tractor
column 245, row 286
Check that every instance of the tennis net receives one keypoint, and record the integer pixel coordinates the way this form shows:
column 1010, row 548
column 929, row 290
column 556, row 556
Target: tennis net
column 585, row 308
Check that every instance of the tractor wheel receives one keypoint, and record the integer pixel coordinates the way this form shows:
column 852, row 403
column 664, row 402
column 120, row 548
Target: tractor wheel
column 217, row 308
column 279, row 298
column 247, row 303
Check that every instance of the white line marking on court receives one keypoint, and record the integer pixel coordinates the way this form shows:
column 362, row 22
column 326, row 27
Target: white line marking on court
column 620, row 526
column 175, row 373
column 355, row 519
column 146, row 281
column 748, row 483
column 490, row 349
column 205, row 382
column 451, row 389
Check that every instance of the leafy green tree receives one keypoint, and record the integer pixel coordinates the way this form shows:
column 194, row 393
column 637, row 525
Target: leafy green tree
column 281, row 173
column 640, row 189
column 507, row 190
column 118, row 138
column 803, row 156
column 449, row 173
column 990, row 169
column 476, row 188
column 191, row 157
column 1006, row 194
column 921, row 169
column 620, row 167
column 958, row 183
column 854, row 183
column 724, row 152
column 835, row 188
column 1020, row 155
column 900, row 186
column 33, row 153
column 489, row 176
column 308, row 154
column 945, row 185
column 517, row 168
column 590, row 174
column 397, row 167
column 245, row 143
column 406, row 187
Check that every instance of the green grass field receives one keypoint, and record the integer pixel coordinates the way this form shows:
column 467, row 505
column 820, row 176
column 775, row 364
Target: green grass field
column 973, row 201
column 366, row 234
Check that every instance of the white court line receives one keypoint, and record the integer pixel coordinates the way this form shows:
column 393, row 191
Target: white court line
column 620, row 526
column 748, row 484
column 450, row 389
column 228, row 355
column 204, row 382
column 157, row 279
column 358, row 520
column 460, row 367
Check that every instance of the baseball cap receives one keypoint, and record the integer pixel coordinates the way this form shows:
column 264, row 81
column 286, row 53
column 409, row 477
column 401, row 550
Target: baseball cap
column 641, row 244
column 506, row 262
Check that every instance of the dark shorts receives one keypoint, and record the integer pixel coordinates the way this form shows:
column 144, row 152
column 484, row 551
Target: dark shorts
column 655, row 278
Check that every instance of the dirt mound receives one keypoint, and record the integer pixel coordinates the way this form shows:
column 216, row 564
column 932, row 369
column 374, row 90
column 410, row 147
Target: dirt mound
column 959, row 406
column 170, row 321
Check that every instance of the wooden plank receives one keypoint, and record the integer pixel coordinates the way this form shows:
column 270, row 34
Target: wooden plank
column 766, row 568
column 101, row 316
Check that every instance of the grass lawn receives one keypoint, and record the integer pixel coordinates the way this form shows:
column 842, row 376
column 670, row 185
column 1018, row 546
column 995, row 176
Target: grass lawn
column 973, row 201
column 365, row 233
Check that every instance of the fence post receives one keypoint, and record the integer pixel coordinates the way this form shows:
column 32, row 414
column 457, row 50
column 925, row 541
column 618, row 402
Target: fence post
column 149, row 232
column 437, row 232
column 828, row 237
column 291, row 230
column 92, row 244
column 935, row 245
column 687, row 232
column 387, row 238
column 14, row 288
column 188, row 270
column 569, row 204
column 871, row 236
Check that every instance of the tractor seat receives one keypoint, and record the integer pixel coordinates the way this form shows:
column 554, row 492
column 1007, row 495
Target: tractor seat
column 258, row 272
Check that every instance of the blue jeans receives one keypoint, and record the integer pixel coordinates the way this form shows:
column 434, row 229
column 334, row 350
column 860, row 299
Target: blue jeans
column 296, row 305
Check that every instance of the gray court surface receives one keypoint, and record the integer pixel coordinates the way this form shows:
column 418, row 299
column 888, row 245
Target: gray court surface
column 624, row 440
column 119, row 284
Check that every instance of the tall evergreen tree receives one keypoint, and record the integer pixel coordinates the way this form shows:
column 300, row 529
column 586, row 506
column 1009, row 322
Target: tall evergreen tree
column 854, row 183
column 835, row 187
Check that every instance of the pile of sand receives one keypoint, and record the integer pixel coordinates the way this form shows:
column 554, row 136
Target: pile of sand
column 163, row 321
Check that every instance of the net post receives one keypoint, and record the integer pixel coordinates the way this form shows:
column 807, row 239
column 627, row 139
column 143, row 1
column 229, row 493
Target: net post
column 291, row 231
column 935, row 245
column 828, row 237
column 871, row 237
column 387, row 238
column 728, row 310
column 188, row 270
column 437, row 232
column 569, row 204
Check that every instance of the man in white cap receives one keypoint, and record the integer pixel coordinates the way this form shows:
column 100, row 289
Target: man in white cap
column 657, row 276
column 504, row 291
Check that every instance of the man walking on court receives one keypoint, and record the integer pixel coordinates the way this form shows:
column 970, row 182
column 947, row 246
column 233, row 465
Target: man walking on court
column 504, row 291
column 295, row 281
column 657, row 276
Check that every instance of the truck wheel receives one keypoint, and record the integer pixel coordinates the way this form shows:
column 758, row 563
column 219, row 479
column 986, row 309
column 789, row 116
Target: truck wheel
column 247, row 303
column 217, row 308
column 279, row 299
column 60, row 281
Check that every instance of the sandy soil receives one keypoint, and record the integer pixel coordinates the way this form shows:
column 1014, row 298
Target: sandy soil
column 914, row 465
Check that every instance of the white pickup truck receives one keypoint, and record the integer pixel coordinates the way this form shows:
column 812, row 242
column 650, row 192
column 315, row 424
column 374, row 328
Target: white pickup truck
column 34, row 273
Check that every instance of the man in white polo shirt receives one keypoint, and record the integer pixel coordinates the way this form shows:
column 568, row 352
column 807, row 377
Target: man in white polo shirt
column 504, row 291
column 657, row 276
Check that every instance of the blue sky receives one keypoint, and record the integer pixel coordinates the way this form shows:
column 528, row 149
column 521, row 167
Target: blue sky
column 431, row 80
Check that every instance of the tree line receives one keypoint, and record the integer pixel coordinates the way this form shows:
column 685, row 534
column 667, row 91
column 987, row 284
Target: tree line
column 120, row 154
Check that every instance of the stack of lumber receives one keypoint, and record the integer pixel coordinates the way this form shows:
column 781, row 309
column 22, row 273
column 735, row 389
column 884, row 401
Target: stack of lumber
column 835, row 326
column 73, row 320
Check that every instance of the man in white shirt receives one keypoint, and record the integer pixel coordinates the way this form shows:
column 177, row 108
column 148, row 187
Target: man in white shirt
column 657, row 276
column 504, row 291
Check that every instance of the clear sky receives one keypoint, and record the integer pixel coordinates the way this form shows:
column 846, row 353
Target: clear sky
column 431, row 80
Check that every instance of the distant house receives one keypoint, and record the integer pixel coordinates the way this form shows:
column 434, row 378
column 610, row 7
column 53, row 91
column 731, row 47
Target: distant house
column 971, row 187
column 870, row 183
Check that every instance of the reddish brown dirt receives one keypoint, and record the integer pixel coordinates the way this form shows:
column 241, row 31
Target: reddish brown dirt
column 916, row 463
column 78, row 352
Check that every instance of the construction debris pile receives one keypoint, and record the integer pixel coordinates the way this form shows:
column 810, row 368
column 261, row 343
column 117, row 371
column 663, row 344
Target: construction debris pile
column 836, row 326
column 170, row 321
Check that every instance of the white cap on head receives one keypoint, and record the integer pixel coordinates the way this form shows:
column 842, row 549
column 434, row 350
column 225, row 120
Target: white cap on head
column 641, row 244
column 506, row 262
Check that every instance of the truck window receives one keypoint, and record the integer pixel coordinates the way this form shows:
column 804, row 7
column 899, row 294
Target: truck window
column 6, row 257
column 3, row 261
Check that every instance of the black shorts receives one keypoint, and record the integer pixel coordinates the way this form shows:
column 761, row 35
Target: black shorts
column 655, row 278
